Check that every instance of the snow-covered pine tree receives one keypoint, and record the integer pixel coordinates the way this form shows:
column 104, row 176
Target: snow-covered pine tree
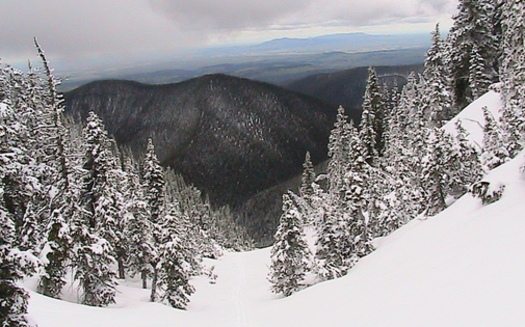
column 173, row 271
column 20, row 170
column 372, row 120
column 140, row 245
column 57, row 134
column 14, row 265
column 153, row 181
column 154, row 192
column 494, row 151
column 466, row 167
column 512, row 72
column 290, row 256
column 513, row 48
column 306, row 191
column 308, row 177
column 415, row 130
column 337, row 151
column 479, row 81
column 512, row 123
column 138, row 229
column 437, row 171
column 112, row 206
column 201, row 224
column 357, row 198
column 473, row 25
column 334, row 243
column 406, row 146
column 93, row 255
column 55, row 256
column 435, row 96
column 336, row 235
column 92, row 259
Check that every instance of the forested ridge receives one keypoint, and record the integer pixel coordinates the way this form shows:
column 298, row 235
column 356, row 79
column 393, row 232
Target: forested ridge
column 229, row 137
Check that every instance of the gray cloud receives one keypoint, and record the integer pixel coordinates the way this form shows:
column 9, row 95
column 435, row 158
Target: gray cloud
column 236, row 14
column 87, row 28
column 226, row 14
column 105, row 28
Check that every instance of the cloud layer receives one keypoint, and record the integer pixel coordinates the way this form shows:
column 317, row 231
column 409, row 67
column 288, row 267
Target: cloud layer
column 122, row 27
column 259, row 14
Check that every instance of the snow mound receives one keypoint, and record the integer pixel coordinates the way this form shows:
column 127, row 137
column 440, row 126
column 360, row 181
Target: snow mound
column 472, row 116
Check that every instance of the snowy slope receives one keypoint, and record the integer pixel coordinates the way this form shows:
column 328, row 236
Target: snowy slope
column 472, row 116
column 463, row 267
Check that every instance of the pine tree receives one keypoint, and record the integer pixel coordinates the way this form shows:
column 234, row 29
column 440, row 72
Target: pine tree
column 341, row 222
column 92, row 253
column 337, row 150
column 92, row 261
column 138, row 229
column 56, row 147
column 55, row 256
column 306, row 190
column 435, row 96
column 466, row 166
column 334, row 243
column 357, row 198
column 290, row 255
column 473, row 25
column 308, row 177
column 153, row 181
column 14, row 265
column 112, row 206
column 494, row 150
column 512, row 73
column 20, row 171
column 373, row 118
column 434, row 173
column 479, row 80
column 173, row 268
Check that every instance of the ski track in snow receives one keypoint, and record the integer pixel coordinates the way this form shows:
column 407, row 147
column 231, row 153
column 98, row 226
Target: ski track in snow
column 237, row 299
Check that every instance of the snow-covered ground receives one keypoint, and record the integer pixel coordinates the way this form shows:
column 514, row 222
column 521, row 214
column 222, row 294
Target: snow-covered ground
column 463, row 267
column 472, row 117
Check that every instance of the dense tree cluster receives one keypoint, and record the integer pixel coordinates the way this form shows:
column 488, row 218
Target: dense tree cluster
column 400, row 164
column 73, row 203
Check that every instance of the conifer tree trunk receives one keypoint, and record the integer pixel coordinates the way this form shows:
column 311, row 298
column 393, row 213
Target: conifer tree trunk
column 154, row 283
column 144, row 276
column 121, row 272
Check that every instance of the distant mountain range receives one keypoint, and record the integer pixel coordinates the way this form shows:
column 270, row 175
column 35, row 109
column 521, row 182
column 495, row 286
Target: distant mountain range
column 230, row 137
column 278, row 61
column 347, row 42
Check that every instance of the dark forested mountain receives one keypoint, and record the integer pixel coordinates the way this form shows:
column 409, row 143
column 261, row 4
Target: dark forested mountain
column 347, row 87
column 230, row 137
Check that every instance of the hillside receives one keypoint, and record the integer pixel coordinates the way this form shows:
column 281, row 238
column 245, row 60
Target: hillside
column 347, row 87
column 230, row 137
column 460, row 268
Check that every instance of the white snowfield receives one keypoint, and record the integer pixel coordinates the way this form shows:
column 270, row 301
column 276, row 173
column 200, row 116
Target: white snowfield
column 464, row 267
column 472, row 116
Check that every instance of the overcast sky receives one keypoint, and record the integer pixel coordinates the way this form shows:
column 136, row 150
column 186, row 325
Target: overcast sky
column 101, row 28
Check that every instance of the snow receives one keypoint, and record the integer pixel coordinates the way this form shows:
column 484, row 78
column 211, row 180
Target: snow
column 472, row 117
column 462, row 267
